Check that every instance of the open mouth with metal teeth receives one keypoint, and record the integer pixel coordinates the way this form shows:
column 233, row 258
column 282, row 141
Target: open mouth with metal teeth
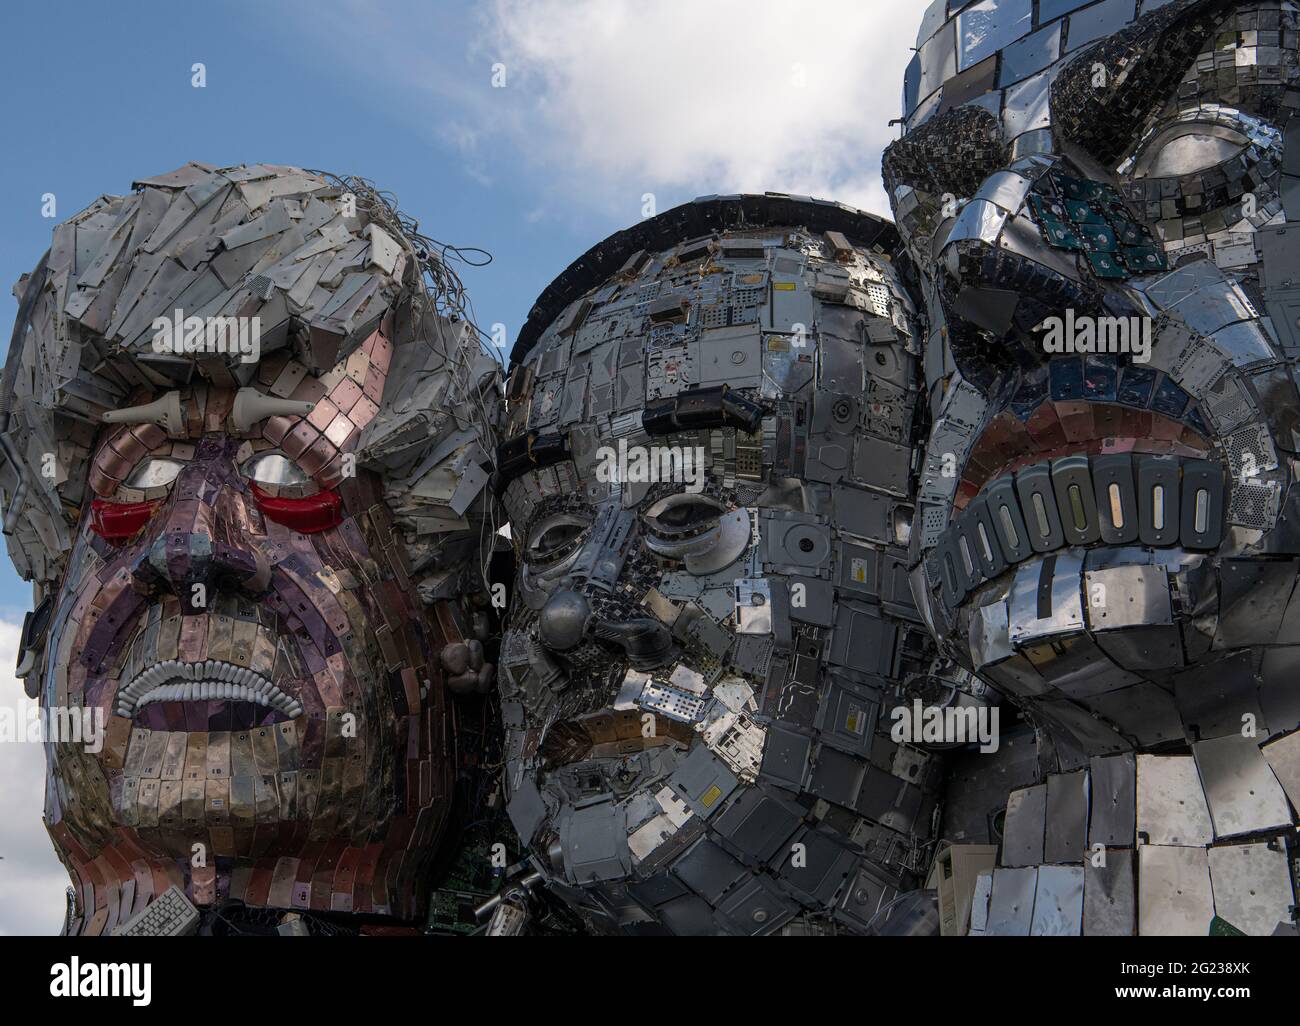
column 211, row 680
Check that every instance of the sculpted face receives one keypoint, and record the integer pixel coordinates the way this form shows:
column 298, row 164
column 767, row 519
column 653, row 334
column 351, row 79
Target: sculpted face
column 708, row 479
column 253, row 565
column 236, row 608
column 1097, row 211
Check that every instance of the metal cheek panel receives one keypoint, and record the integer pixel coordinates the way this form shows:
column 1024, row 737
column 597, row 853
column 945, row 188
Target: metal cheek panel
column 1011, row 904
column 1283, row 757
column 1005, row 188
column 1058, row 902
column 1253, row 597
column 1046, row 598
column 979, row 221
column 1144, row 712
column 1076, row 667
column 1278, row 695
column 1113, row 798
column 1243, row 795
column 1030, row 55
column 1212, row 697
column 1174, row 895
column 989, row 641
column 1252, row 886
column 1108, row 896
column 1171, row 807
column 1127, row 596
column 1023, row 834
column 1067, row 818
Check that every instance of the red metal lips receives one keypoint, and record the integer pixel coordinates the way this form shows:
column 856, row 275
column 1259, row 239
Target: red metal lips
column 308, row 515
column 117, row 521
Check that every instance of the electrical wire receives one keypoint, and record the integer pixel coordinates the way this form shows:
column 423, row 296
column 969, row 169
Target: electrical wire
column 442, row 292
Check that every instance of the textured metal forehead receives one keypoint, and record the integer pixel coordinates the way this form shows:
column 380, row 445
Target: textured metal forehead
column 317, row 263
column 703, row 217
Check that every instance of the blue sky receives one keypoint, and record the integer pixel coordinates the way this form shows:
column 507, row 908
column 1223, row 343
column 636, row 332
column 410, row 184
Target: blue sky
column 596, row 104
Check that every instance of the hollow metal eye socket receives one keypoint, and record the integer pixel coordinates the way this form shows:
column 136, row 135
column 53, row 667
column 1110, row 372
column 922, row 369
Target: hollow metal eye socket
column 1188, row 149
column 682, row 524
column 681, row 516
column 153, row 472
column 556, row 538
column 273, row 468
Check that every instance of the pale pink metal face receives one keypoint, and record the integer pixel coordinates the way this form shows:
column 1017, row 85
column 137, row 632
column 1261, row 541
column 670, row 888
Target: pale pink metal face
column 238, row 610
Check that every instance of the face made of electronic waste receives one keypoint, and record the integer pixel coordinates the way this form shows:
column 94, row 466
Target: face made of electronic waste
column 1097, row 209
column 236, row 607
column 707, row 480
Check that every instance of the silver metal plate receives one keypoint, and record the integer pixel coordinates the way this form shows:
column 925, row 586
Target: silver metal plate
column 1067, row 602
column 1113, row 798
column 1108, row 896
column 1283, row 755
column 1129, row 596
column 1174, row 896
column 1067, row 818
column 1252, row 887
column 1058, row 902
column 1171, row 807
column 1011, row 908
column 1242, row 792
column 1022, row 837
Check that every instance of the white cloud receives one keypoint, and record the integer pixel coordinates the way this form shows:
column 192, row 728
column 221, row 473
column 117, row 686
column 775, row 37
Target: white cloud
column 605, row 100
column 32, row 880
column 716, row 96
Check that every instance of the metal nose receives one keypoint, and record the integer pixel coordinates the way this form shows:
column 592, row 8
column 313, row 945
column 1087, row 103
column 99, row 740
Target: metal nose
column 563, row 620
column 192, row 546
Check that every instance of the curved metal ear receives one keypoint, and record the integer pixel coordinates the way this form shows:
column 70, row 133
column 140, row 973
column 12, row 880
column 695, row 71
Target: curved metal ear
column 952, row 152
column 1101, row 100
column 36, row 627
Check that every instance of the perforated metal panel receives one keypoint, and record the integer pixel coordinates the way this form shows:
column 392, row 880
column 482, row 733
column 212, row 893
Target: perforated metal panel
column 1250, row 451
